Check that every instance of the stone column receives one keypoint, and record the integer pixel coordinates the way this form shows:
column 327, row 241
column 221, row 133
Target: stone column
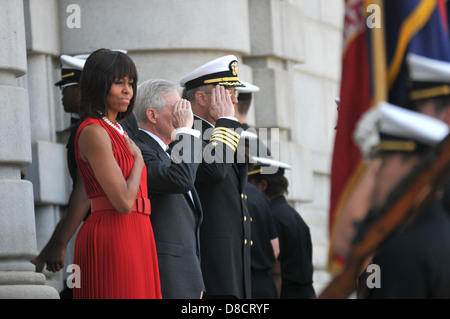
column 17, row 223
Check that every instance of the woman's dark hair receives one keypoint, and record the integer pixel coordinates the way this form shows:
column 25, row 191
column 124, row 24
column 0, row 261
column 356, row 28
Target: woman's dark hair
column 277, row 184
column 101, row 69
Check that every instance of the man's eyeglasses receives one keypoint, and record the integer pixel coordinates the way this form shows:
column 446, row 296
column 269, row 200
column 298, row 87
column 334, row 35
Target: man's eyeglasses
column 62, row 87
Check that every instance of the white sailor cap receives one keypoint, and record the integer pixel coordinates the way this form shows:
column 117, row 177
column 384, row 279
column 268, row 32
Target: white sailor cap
column 387, row 127
column 429, row 77
column 248, row 135
column 222, row 71
column 248, row 88
column 120, row 50
column 246, row 92
column 264, row 165
column 71, row 68
column 81, row 56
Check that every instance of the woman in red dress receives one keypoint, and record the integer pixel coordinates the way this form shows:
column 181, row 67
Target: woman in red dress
column 115, row 247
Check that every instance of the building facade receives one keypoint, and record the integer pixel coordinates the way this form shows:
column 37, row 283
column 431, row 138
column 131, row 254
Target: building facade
column 291, row 49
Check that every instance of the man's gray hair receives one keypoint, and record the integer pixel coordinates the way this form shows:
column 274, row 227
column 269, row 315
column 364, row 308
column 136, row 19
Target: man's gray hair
column 150, row 95
column 190, row 94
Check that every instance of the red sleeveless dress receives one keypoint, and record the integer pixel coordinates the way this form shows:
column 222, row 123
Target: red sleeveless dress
column 115, row 252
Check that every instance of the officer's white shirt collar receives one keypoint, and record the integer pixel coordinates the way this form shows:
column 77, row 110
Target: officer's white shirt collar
column 180, row 130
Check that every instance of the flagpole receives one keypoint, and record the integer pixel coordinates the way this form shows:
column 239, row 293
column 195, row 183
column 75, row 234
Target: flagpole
column 379, row 86
column 379, row 65
column 377, row 52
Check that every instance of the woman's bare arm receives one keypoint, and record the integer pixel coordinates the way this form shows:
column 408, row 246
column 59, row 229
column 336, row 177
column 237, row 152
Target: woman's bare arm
column 95, row 148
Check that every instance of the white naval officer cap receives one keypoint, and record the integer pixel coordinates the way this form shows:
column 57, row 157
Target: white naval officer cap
column 387, row 127
column 429, row 77
column 221, row 71
column 264, row 165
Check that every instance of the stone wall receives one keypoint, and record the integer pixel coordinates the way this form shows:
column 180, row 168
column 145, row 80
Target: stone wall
column 290, row 48
column 17, row 226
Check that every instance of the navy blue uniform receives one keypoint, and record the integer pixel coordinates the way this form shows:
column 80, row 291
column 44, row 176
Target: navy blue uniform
column 262, row 254
column 225, row 230
column 295, row 251
column 415, row 262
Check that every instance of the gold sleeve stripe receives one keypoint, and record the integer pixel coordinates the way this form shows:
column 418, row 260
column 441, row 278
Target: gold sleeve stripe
column 227, row 137
column 222, row 137
column 224, row 141
column 228, row 130
column 232, row 138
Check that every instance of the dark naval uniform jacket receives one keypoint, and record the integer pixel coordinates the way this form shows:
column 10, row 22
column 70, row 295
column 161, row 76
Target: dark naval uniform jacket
column 295, row 251
column 176, row 214
column 225, row 231
column 414, row 263
column 262, row 254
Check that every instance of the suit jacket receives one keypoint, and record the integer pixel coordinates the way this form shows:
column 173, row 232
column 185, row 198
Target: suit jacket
column 225, row 231
column 175, row 217
column 130, row 125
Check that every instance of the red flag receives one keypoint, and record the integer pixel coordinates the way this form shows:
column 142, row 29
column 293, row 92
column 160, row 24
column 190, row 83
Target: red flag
column 373, row 69
column 355, row 99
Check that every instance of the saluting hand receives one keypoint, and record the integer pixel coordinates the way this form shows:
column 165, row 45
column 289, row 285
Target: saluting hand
column 182, row 115
column 221, row 103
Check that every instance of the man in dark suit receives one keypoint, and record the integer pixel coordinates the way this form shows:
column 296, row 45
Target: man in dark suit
column 176, row 210
column 221, row 178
